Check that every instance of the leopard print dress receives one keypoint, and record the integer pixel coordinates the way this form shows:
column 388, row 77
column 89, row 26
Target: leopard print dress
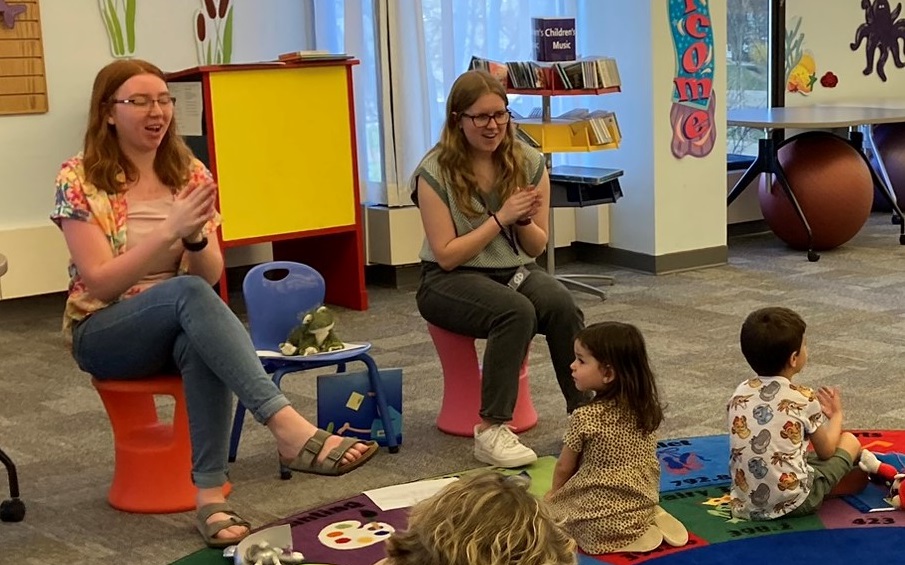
column 609, row 501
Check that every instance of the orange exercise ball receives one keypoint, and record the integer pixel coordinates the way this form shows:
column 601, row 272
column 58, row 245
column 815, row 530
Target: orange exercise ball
column 832, row 184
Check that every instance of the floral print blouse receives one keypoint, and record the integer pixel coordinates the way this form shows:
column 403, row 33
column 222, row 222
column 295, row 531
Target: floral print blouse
column 78, row 199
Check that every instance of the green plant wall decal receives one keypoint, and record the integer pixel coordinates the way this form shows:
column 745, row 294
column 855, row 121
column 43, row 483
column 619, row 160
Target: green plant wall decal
column 214, row 32
column 801, row 66
column 119, row 20
column 794, row 46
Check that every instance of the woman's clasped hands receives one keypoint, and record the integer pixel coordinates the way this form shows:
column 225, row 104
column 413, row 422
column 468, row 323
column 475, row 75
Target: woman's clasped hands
column 192, row 209
column 522, row 205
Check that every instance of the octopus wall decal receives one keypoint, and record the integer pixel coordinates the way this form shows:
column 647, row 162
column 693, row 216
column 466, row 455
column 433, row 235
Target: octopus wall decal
column 882, row 30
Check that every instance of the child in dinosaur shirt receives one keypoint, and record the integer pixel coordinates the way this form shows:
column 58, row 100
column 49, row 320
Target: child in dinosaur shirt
column 772, row 421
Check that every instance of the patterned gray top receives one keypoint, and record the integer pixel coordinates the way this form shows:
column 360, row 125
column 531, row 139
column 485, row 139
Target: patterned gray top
column 498, row 254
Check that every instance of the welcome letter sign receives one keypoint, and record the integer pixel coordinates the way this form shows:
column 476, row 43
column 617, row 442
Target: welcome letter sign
column 692, row 110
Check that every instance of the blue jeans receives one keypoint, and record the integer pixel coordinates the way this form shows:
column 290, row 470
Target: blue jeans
column 477, row 303
column 181, row 325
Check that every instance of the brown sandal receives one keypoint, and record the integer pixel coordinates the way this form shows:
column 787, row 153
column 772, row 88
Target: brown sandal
column 209, row 531
column 332, row 465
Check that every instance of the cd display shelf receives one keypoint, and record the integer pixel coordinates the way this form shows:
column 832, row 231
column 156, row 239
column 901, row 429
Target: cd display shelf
column 561, row 136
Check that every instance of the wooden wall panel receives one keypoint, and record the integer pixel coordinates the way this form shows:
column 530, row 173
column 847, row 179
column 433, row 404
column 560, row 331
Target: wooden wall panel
column 23, row 88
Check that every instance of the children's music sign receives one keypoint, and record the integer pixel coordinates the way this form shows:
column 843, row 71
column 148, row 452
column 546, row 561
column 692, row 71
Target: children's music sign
column 692, row 110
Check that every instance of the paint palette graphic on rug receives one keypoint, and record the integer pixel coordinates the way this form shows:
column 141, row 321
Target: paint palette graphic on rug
column 352, row 534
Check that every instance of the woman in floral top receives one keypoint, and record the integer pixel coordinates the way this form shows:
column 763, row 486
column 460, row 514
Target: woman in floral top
column 138, row 214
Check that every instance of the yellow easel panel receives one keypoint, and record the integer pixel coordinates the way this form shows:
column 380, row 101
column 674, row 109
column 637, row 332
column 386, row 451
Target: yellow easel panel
column 283, row 150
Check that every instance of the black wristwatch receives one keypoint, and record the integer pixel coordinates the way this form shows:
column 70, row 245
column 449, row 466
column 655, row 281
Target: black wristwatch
column 194, row 245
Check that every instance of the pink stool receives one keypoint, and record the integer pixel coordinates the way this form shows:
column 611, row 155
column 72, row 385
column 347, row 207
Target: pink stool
column 462, row 386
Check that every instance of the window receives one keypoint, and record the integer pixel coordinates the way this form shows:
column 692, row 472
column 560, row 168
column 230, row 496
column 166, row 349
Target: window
column 347, row 26
column 500, row 30
column 747, row 66
column 435, row 40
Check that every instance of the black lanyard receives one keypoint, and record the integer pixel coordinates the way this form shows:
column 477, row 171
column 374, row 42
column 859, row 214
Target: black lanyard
column 507, row 234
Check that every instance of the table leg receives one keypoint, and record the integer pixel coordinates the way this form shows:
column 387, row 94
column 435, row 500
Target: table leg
column 767, row 162
column 883, row 184
column 784, row 183
column 765, row 149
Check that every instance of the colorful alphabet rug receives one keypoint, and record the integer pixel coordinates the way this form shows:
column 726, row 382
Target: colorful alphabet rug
column 694, row 489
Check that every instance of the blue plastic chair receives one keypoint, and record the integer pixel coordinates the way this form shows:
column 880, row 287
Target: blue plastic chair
column 275, row 294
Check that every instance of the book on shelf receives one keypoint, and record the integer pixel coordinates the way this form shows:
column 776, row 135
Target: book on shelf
column 607, row 72
column 535, row 113
column 612, row 125
column 527, row 137
column 311, row 55
column 589, row 72
column 585, row 73
column 497, row 69
column 602, row 125
column 574, row 114
column 526, row 75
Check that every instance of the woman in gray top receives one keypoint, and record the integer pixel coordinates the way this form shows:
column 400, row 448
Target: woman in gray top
column 484, row 199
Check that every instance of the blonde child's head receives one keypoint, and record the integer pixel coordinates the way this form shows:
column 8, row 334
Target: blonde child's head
column 611, row 360
column 485, row 518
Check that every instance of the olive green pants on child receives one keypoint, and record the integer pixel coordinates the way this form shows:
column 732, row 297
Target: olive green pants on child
column 827, row 474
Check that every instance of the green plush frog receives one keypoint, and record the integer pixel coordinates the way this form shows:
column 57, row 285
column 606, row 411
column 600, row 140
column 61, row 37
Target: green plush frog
column 313, row 335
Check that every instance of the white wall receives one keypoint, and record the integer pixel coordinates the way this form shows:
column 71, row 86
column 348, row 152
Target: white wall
column 829, row 29
column 627, row 38
column 691, row 192
column 75, row 48
column 669, row 205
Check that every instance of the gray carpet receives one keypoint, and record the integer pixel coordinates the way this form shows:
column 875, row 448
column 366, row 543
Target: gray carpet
column 53, row 425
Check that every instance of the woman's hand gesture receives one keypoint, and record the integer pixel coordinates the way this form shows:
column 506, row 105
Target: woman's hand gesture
column 523, row 204
column 192, row 208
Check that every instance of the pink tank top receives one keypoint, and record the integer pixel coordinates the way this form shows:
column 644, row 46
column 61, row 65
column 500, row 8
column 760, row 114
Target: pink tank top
column 143, row 218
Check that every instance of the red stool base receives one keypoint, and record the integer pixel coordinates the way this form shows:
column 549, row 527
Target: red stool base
column 462, row 386
column 153, row 469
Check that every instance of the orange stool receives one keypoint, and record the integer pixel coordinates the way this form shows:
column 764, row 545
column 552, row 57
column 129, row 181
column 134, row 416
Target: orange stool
column 153, row 469
column 462, row 386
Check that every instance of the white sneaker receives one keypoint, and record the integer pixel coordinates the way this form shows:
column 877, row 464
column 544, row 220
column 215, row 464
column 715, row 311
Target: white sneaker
column 498, row 446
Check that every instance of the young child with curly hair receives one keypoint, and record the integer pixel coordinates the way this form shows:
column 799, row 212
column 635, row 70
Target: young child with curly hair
column 486, row 518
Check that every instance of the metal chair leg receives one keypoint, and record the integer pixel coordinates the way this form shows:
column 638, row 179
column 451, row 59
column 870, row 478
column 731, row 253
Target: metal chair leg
column 13, row 509
column 380, row 396
column 573, row 280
